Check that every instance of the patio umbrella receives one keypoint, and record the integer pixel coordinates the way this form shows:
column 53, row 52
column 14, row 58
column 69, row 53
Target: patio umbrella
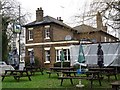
column 62, row 57
column 81, row 59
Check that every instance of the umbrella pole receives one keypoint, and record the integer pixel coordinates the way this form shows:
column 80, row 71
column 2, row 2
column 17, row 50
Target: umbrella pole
column 80, row 85
column 61, row 67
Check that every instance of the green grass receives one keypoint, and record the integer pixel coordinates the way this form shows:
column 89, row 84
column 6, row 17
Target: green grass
column 43, row 81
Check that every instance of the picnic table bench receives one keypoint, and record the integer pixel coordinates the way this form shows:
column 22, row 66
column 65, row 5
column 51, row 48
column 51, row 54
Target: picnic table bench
column 91, row 76
column 106, row 71
column 52, row 72
column 116, row 85
column 58, row 70
column 80, row 77
column 17, row 74
column 34, row 69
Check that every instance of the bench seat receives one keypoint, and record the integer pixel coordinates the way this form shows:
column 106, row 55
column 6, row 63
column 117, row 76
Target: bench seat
column 80, row 77
column 52, row 72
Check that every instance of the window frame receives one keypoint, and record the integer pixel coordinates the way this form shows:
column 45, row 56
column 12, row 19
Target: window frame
column 47, row 32
column 30, row 34
column 67, row 55
column 47, row 55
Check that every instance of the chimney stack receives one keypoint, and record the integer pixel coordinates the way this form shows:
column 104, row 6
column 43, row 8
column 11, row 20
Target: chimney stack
column 39, row 14
column 99, row 21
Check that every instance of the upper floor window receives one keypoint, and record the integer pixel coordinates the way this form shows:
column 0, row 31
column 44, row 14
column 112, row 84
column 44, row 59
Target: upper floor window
column 109, row 39
column 30, row 33
column 105, row 39
column 47, row 32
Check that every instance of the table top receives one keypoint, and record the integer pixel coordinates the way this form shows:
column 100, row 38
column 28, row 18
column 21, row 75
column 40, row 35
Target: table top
column 61, row 68
column 92, row 72
column 99, row 69
column 16, row 70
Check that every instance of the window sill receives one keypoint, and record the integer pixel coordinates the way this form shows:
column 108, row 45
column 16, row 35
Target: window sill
column 47, row 62
column 47, row 38
column 30, row 40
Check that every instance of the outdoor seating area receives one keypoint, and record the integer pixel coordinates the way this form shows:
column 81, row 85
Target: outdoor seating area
column 67, row 77
column 98, row 74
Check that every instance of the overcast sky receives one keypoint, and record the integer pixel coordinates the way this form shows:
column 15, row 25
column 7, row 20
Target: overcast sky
column 66, row 9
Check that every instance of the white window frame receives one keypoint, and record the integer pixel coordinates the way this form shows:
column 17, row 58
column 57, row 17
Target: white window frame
column 110, row 40
column 47, row 32
column 47, row 55
column 105, row 39
column 30, row 34
column 58, row 50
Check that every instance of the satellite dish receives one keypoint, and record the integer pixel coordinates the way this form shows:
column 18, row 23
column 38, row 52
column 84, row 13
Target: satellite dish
column 68, row 37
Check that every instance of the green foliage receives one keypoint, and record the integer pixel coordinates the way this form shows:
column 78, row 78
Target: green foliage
column 65, row 64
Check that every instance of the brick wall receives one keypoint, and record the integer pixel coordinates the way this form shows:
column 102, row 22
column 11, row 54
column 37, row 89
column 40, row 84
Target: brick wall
column 59, row 33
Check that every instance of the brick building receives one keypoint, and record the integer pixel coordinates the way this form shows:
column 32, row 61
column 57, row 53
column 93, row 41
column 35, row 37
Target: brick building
column 46, row 36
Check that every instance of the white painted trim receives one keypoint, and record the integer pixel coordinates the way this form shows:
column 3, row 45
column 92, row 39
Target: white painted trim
column 47, row 37
column 30, row 28
column 47, row 62
column 47, row 48
column 30, row 49
column 62, row 47
column 30, row 40
column 51, row 43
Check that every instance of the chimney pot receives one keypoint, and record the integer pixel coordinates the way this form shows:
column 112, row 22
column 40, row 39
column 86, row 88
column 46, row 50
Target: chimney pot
column 37, row 8
column 40, row 8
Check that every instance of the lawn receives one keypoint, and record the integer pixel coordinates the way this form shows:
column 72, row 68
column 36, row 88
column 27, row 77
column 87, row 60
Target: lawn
column 43, row 81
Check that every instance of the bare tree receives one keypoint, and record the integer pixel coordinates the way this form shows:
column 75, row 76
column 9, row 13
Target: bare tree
column 110, row 11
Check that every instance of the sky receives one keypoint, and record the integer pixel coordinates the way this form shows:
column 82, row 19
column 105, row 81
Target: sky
column 66, row 9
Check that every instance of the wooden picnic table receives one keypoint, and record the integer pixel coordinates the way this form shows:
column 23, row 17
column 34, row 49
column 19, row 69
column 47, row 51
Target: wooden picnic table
column 101, row 69
column 115, row 85
column 17, row 74
column 58, row 70
column 34, row 69
column 61, row 68
column 107, row 71
column 91, row 75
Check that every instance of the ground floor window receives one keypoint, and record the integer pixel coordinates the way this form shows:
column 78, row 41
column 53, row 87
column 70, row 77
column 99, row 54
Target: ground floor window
column 66, row 54
column 47, row 56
